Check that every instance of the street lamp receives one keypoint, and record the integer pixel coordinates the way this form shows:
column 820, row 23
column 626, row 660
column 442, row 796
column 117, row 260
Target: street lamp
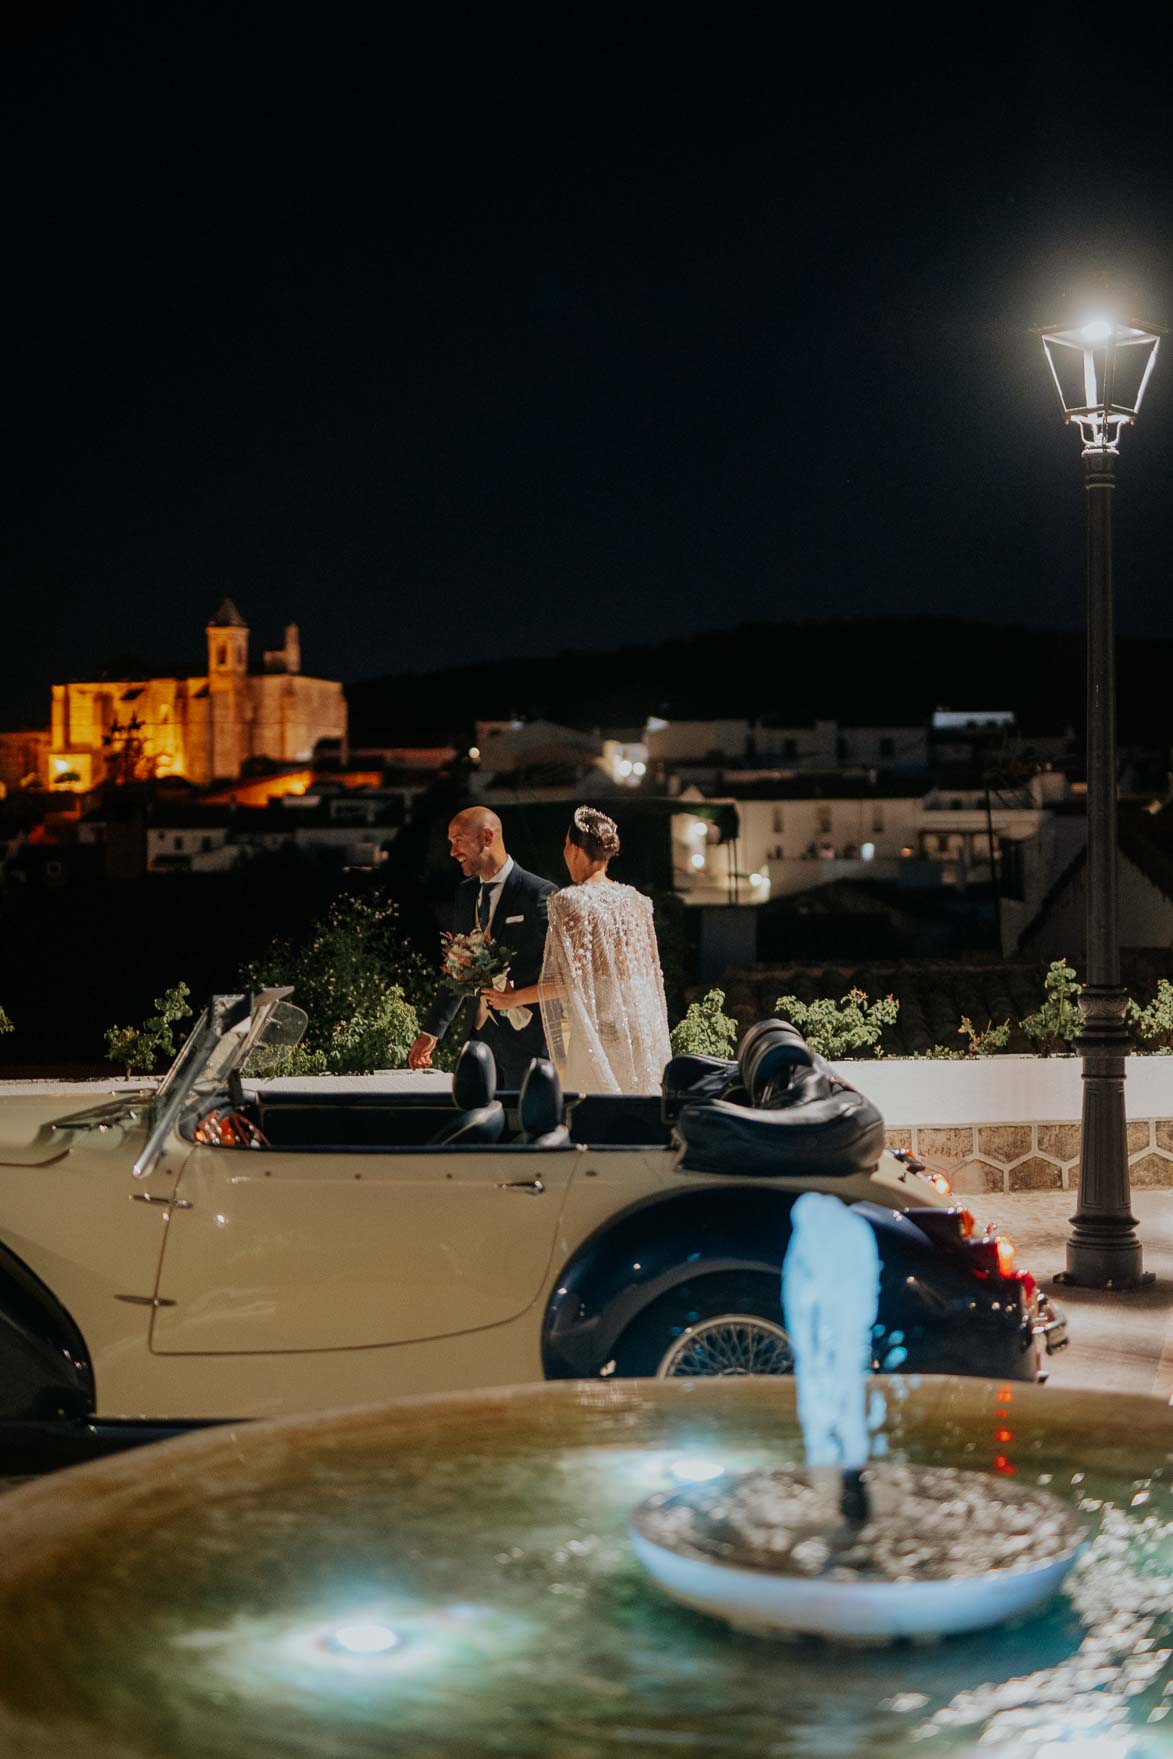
column 1101, row 371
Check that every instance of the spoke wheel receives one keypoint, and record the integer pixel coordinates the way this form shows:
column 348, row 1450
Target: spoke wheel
column 731, row 1343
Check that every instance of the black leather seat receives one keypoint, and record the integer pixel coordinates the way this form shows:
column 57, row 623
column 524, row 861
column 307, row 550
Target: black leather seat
column 480, row 1116
column 539, row 1107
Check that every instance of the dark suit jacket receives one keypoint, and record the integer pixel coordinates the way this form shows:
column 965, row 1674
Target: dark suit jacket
column 519, row 923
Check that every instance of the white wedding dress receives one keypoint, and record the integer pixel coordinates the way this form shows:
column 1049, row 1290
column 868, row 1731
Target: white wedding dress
column 607, row 1024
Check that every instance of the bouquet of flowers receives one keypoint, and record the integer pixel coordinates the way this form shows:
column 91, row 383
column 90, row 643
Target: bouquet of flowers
column 471, row 963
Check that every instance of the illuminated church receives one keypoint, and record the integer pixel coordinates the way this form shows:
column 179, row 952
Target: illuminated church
column 204, row 728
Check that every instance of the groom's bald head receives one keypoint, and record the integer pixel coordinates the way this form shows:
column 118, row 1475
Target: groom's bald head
column 475, row 840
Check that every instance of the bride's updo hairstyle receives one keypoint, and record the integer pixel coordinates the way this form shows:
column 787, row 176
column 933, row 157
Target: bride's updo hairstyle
column 594, row 833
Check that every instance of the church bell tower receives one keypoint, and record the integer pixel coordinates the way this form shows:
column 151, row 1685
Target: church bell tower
column 228, row 688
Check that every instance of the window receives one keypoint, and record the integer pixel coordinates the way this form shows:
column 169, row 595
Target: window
column 823, row 820
column 178, row 842
column 877, row 819
column 205, row 844
column 887, row 746
column 842, row 748
column 222, row 654
column 779, row 820
column 790, row 748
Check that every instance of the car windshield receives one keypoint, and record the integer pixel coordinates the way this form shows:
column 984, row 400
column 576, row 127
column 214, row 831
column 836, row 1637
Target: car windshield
column 273, row 1026
column 225, row 1035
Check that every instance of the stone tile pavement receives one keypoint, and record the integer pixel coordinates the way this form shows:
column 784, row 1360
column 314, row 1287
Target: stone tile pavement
column 1122, row 1342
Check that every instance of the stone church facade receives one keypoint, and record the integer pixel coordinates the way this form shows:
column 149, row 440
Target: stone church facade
column 203, row 728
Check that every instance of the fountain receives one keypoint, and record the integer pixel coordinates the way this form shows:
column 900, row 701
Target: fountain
column 454, row 1576
column 837, row 1547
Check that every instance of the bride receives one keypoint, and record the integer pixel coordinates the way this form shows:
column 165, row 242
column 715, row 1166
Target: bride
column 601, row 990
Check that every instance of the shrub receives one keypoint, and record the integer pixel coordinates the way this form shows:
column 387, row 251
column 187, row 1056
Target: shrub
column 5, row 1023
column 844, row 1028
column 1056, row 1023
column 375, row 1038
column 269, row 1062
column 357, row 980
column 984, row 1044
column 705, row 1030
column 1153, row 1024
column 140, row 1049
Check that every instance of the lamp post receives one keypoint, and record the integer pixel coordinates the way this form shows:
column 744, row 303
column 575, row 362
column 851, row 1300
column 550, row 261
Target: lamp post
column 1101, row 371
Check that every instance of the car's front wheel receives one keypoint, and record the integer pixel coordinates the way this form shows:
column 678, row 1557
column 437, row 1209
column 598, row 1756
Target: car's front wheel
column 724, row 1325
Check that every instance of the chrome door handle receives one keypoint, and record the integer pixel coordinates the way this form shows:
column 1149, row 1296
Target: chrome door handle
column 533, row 1187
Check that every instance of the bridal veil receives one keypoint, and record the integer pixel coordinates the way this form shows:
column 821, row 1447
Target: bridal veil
column 607, row 1025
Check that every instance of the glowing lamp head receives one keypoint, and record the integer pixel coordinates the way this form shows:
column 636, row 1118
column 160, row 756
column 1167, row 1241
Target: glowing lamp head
column 698, row 859
column 1101, row 370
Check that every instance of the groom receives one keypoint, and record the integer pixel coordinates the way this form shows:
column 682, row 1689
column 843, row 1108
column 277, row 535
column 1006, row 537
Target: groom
column 510, row 905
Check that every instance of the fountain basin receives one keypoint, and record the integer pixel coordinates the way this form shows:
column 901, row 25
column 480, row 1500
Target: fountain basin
column 455, row 1576
column 943, row 1552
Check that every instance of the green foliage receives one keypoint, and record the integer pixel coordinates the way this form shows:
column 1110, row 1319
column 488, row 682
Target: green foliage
column 359, row 982
column 378, row 1037
column 844, row 1028
column 5, row 1023
column 705, row 1030
column 1153, row 1024
column 1056, row 1023
column 986, row 1043
column 269, row 1062
column 140, row 1049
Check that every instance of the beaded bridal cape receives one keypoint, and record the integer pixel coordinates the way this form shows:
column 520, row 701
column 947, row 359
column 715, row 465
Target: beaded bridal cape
column 607, row 1027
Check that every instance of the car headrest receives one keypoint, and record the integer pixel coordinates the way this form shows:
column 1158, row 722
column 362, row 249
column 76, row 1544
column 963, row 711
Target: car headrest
column 768, row 1055
column 539, row 1106
column 474, row 1082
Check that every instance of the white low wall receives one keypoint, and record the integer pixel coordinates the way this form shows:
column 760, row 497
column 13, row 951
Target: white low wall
column 1012, row 1123
column 1000, row 1089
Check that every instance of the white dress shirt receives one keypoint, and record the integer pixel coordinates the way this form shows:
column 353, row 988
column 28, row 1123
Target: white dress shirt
column 496, row 882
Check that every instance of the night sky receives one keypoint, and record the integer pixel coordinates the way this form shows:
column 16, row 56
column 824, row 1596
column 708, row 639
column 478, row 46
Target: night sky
column 522, row 330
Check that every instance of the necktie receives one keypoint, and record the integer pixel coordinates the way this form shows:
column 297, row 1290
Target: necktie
column 484, row 907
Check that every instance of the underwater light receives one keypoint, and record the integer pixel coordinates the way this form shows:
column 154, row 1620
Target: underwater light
column 695, row 1469
column 363, row 1639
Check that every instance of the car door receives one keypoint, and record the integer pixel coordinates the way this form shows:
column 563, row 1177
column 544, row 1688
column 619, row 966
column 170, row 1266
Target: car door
column 283, row 1249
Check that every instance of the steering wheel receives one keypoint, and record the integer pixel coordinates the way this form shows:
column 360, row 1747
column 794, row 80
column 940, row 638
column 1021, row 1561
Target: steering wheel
column 230, row 1129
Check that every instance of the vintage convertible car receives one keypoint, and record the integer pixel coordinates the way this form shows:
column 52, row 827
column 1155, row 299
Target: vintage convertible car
column 230, row 1246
